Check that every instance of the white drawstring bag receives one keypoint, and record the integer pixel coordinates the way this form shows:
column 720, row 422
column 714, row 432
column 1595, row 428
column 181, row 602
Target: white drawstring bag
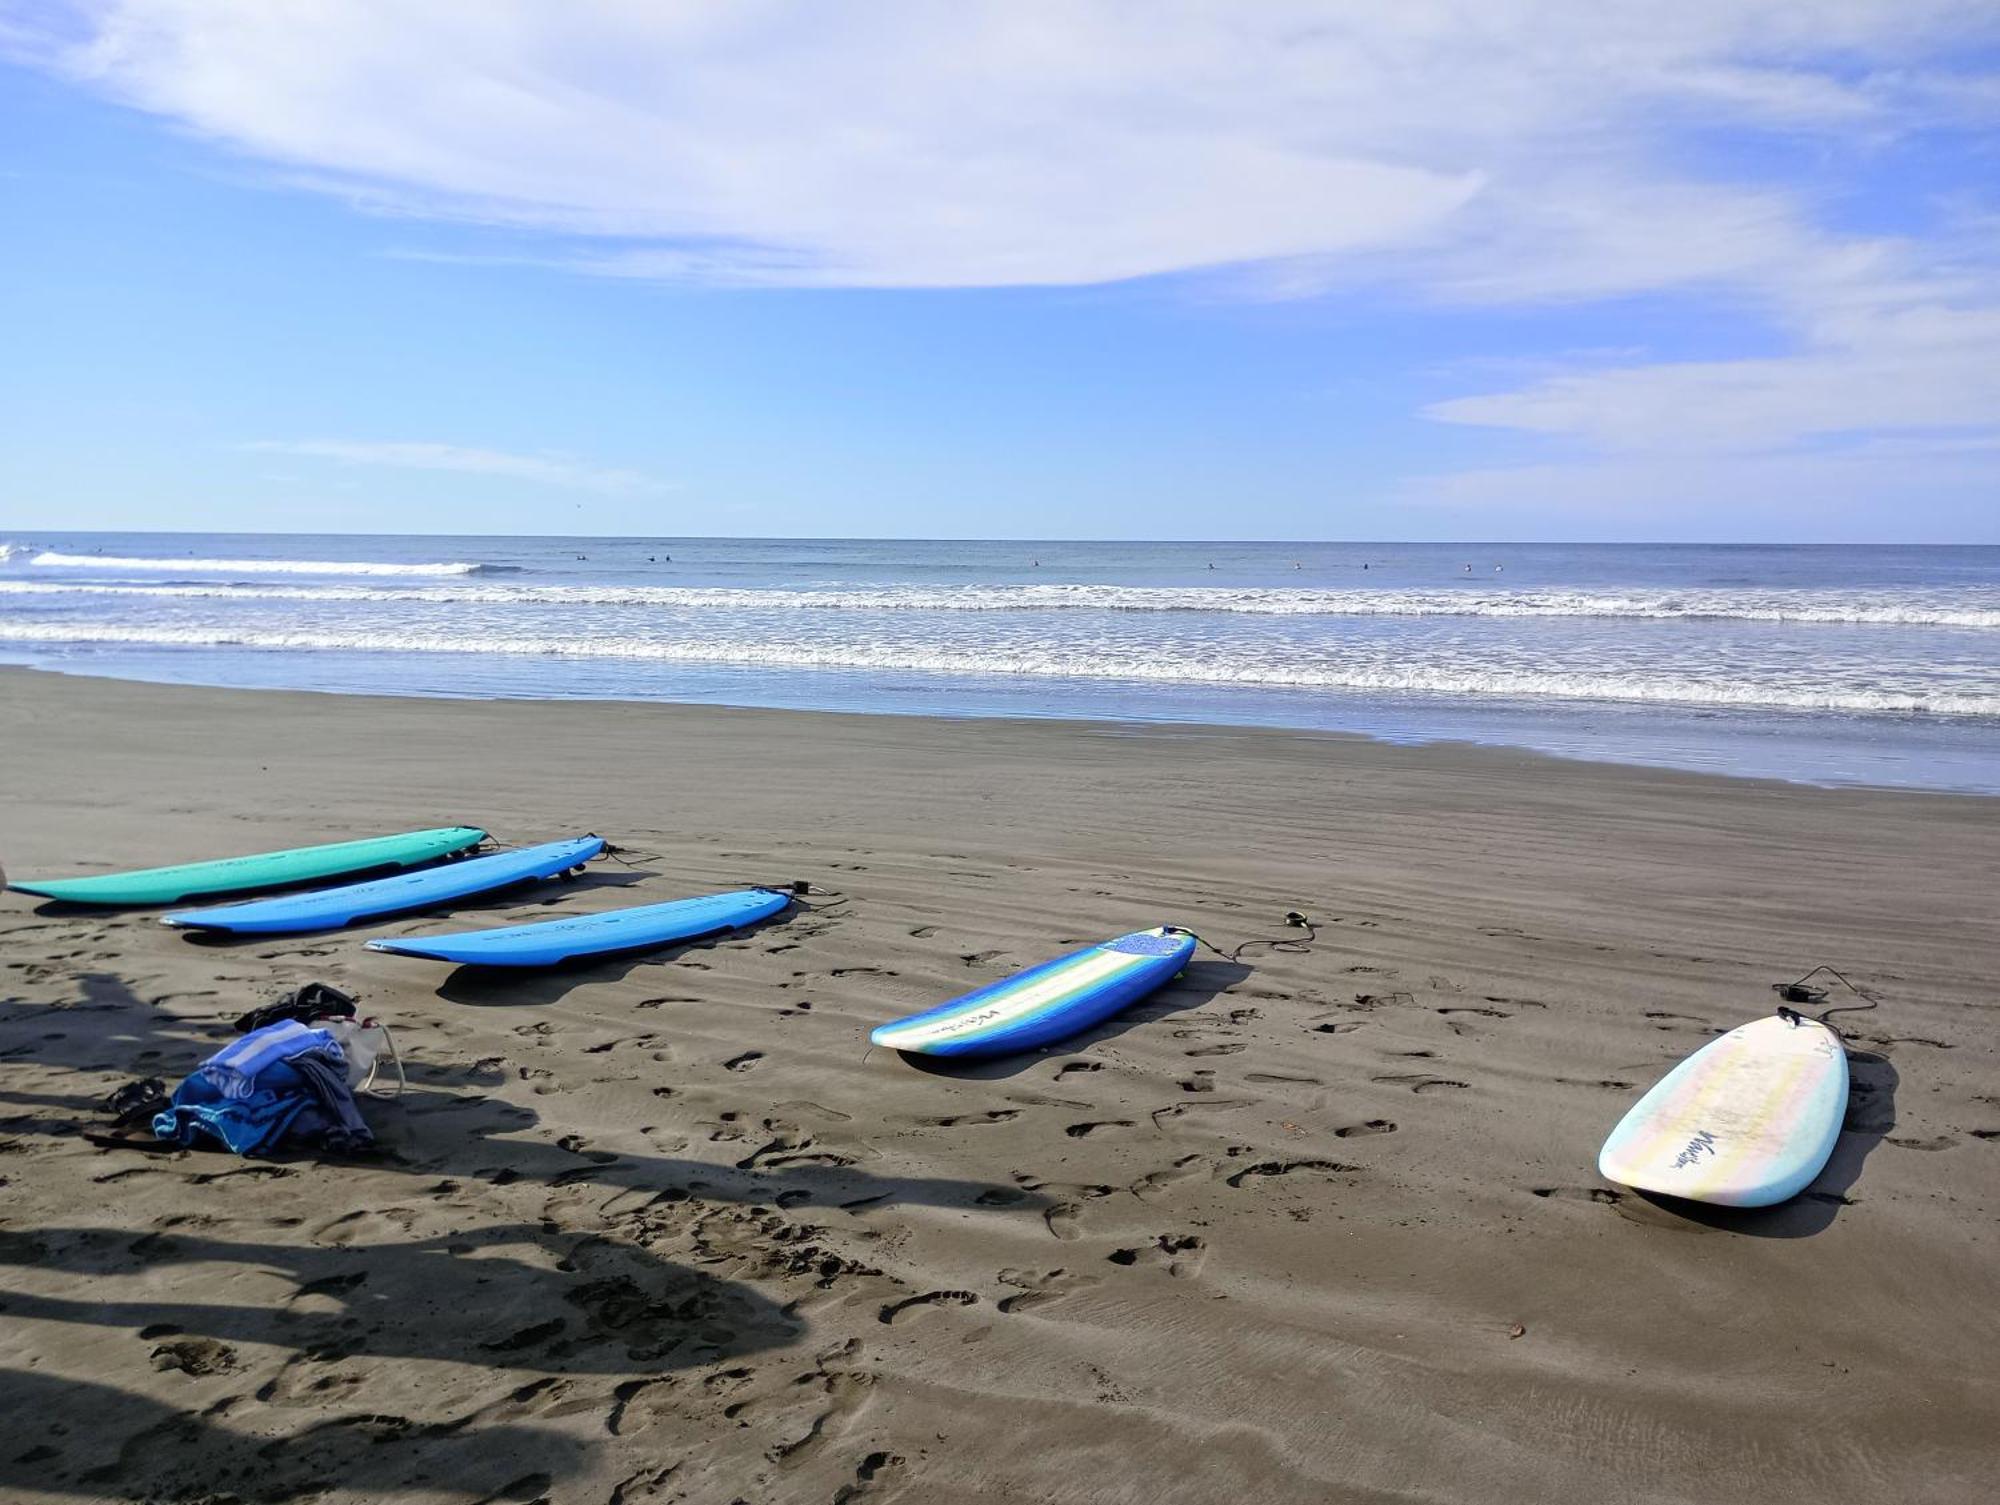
column 364, row 1042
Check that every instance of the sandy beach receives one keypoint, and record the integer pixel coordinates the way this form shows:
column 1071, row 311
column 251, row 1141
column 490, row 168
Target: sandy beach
column 1312, row 1227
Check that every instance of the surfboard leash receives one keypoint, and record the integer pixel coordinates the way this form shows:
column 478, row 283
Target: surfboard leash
column 1291, row 945
column 797, row 888
column 1801, row 991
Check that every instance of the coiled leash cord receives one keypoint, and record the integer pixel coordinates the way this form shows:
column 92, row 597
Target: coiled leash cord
column 797, row 888
column 1290, row 944
column 1800, row 992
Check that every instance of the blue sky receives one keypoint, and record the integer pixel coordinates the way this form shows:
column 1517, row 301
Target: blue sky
column 1302, row 270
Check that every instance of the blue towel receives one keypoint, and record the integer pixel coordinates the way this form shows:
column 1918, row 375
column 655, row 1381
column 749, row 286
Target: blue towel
column 235, row 1068
column 278, row 1083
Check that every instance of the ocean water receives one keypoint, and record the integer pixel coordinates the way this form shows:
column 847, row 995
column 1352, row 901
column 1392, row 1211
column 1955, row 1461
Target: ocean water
column 1826, row 664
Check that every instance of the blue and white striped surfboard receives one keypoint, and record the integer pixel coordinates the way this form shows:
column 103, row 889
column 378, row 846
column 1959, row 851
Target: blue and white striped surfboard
column 1045, row 1003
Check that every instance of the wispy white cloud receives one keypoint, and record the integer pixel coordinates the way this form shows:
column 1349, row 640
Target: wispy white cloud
column 935, row 143
column 542, row 469
column 1457, row 152
column 1889, row 340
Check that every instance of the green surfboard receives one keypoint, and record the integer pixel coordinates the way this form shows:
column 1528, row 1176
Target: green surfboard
column 233, row 875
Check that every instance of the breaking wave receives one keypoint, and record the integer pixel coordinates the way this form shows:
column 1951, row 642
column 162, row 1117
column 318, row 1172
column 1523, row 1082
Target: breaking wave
column 51, row 559
column 1910, row 609
column 1206, row 668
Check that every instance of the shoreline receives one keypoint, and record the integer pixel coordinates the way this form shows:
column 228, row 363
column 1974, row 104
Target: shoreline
column 1103, row 724
column 666, row 1226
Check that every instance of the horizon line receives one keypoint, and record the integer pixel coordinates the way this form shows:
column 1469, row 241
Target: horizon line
column 1767, row 543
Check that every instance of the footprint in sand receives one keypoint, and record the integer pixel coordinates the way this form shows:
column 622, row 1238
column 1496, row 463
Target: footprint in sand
column 1367, row 1003
column 368, row 1226
column 1941, row 1142
column 846, row 1392
column 1275, row 1168
column 1162, row 1116
column 901, row 1311
column 1039, row 1288
column 639, row 1404
column 880, row 1470
column 1155, row 1187
column 1418, row 1082
column 1084, row 1130
column 195, row 1356
column 1064, row 1217
column 1075, row 1066
column 743, row 1062
column 970, row 1120
column 1373, row 1126
column 1181, row 1253
column 248, row 1172
column 830, row 1160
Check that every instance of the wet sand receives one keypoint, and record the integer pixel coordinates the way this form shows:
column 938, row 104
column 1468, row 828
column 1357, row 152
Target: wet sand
column 1315, row 1227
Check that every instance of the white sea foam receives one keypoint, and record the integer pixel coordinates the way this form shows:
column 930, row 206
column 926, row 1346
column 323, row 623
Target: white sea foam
column 1932, row 608
column 50, row 559
column 1092, row 663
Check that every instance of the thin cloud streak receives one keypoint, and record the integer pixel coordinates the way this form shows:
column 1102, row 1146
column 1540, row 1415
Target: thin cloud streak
column 543, row 470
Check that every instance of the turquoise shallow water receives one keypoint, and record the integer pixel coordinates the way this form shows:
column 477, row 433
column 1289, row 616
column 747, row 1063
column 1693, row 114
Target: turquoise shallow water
column 1828, row 664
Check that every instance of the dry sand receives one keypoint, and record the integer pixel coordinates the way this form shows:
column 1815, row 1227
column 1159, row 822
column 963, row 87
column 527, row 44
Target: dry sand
column 1320, row 1227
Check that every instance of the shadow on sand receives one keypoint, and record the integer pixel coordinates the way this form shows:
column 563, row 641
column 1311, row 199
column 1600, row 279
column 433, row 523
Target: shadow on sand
column 172, row 1454
column 452, row 1246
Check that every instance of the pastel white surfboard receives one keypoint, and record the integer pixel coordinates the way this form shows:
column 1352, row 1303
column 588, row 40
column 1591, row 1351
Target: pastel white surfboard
column 1746, row 1121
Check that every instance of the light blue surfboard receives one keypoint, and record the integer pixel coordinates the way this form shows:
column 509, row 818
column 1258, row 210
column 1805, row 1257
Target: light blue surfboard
column 330, row 908
column 547, row 943
column 1045, row 1003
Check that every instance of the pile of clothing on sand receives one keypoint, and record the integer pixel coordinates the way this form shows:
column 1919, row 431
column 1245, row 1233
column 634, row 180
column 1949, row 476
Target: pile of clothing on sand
column 291, row 1081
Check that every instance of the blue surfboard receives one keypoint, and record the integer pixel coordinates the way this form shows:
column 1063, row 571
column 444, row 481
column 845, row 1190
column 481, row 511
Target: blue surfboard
column 1045, row 1003
column 547, row 943
column 330, row 908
